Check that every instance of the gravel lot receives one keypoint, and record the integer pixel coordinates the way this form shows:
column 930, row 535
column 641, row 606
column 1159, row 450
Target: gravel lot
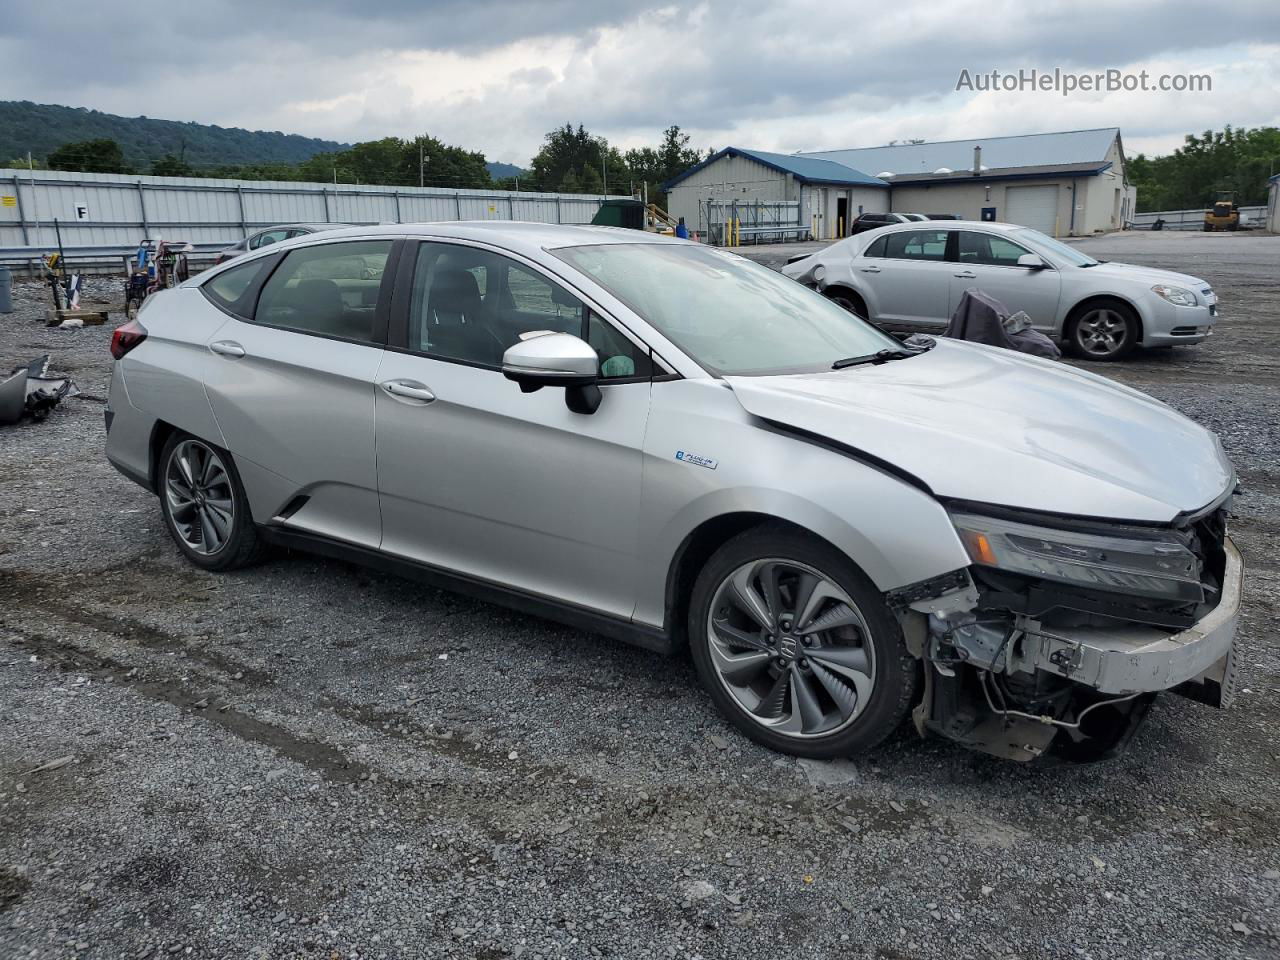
column 310, row 760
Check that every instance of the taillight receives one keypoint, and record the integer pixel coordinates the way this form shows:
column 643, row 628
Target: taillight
column 126, row 337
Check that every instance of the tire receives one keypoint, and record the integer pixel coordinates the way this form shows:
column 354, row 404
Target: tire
column 204, row 506
column 848, row 301
column 1106, row 330
column 850, row 679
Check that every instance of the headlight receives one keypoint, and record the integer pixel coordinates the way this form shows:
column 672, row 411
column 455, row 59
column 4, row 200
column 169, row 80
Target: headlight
column 1178, row 296
column 1160, row 566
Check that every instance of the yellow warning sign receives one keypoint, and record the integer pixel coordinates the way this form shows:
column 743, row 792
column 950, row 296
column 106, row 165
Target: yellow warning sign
column 9, row 201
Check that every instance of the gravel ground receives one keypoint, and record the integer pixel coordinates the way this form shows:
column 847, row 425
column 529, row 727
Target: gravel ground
column 310, row 760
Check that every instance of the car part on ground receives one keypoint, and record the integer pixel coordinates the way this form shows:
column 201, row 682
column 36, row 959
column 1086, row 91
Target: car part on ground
column 733, row 463
column 981, row 318
column 912, row 276
column 29, row 391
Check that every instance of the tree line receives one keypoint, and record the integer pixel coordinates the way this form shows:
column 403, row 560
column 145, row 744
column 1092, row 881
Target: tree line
column 570, row 160
column 1230, row 161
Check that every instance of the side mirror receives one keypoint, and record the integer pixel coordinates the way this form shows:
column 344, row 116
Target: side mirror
column 546, row 359
column 1032, row 261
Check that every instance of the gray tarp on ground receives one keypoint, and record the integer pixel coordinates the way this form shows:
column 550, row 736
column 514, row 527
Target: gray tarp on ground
column 982, row 318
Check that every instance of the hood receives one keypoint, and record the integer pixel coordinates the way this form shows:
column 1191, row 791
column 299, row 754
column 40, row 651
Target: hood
column 993, row 426
column 1147, row 275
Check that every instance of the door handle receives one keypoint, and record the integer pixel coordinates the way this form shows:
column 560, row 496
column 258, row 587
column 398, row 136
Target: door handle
column 870, row 269
column 409, row 390
column 227, row 348
column 967, row 275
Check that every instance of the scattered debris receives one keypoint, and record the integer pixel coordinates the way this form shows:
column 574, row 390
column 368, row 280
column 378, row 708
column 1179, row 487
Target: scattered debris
column 829, row 773
column 30, row 391
column 57, row 764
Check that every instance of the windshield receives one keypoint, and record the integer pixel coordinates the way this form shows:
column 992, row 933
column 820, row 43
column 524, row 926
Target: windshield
column 732, row 316
column 1059, row 250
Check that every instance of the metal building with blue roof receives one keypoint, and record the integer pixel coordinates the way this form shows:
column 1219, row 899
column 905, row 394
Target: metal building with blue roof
column 1070, row 183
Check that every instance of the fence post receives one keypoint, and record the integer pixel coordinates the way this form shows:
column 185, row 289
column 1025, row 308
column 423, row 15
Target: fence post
column 142, row 202
column 399, row 219
column 559, row 219
column 511, row 208
column 244, row 225
column 22, row 217
column 324, row 191
column 457, row 205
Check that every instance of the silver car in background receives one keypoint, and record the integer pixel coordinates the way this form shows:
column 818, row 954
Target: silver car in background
column 911, row 276
column 664, row 442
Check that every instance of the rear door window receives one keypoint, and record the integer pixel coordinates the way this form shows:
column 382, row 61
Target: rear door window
column 268, row 238
column 876, row 249
column 331, row 290
column 917, row 245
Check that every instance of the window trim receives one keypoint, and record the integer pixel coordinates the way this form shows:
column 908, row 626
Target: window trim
column 381, row 312
column 397, row 339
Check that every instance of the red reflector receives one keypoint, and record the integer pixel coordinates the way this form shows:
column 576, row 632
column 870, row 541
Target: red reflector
column 127, row 337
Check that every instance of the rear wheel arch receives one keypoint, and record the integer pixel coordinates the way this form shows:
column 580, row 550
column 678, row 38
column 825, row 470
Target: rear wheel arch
column 161, row 431
column 838, row 291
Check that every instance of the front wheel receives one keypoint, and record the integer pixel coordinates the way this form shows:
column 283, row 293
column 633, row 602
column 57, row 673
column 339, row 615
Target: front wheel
column 796, row 646
column 1104, row 331
column 849, row 303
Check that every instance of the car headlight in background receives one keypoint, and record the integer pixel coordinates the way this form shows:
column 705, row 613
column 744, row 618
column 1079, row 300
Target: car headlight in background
column 1178, row 296
column 1159, row 566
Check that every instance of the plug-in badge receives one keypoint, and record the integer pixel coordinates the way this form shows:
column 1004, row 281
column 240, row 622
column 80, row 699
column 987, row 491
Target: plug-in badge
column 684, row 456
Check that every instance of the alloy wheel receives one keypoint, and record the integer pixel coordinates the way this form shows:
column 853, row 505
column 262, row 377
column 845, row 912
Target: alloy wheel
column 791, row 647
column 199, row 495
column 1102, row 332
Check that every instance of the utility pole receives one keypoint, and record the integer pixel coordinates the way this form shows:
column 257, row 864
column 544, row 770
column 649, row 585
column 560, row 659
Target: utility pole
column 35, row 197
column 421, row 162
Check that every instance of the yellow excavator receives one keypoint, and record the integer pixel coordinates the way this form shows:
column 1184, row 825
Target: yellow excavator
column 1225, row 215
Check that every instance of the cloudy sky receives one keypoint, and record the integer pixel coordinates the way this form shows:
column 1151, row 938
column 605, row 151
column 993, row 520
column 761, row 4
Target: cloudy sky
column 495, row 75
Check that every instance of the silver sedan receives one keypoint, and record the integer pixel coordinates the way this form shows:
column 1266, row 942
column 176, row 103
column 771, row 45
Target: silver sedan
column 913, row 276
column 667, row 443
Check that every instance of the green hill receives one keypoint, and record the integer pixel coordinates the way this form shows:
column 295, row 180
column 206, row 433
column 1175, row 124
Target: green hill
column 42, row 128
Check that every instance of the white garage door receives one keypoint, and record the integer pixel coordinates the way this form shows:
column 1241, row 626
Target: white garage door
column 1034, row 207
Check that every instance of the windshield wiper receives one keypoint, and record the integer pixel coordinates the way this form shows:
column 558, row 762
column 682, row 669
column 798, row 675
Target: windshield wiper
column 880, row 356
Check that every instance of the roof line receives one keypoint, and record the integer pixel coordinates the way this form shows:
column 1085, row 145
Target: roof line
column 758, row 156
column 929, row 143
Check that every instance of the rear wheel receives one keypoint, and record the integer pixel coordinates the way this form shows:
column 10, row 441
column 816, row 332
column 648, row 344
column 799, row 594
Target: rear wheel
column 1107, row 330
column 848, row 301
column 797, row 648
column 204, row 505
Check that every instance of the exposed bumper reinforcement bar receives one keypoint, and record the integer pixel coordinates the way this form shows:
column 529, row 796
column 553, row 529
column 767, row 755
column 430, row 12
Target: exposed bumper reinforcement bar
column 1139, row 659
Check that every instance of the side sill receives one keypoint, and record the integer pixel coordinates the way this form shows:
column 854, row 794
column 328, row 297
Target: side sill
column 590, row 621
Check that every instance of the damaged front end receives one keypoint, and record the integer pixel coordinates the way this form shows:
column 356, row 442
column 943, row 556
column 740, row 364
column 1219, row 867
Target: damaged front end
column 1060, row 634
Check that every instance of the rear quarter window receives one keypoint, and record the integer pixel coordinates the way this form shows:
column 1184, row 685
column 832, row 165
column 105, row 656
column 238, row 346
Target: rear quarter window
column 229, row 288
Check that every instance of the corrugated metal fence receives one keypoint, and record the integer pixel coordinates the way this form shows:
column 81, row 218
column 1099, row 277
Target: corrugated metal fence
column 102, row 216
column 1194, row 219
column 756, row 219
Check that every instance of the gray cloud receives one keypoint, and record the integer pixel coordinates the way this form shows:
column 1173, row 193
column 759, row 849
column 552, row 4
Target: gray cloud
column 749, row 70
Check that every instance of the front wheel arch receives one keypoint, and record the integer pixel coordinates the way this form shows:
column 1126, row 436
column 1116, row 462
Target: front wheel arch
column 699, row 546
column 1121, row 303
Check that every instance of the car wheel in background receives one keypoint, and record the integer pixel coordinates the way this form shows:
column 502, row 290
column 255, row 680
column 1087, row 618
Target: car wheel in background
column 204, row 505
column 796, row 646
column 1104, row 330
column 848, row 301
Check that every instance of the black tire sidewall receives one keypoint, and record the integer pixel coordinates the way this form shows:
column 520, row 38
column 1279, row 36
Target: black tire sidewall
column 897, row 672
column 243, row 539
column 847, row 304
